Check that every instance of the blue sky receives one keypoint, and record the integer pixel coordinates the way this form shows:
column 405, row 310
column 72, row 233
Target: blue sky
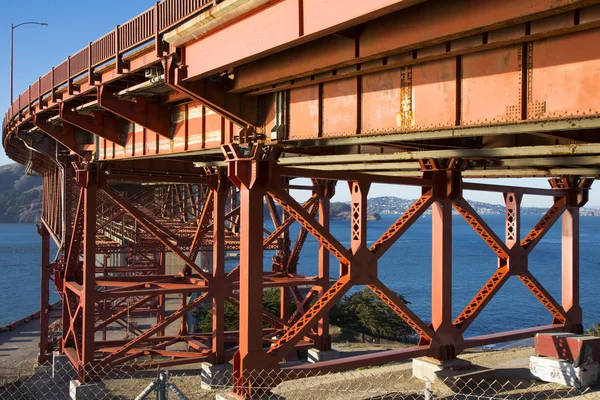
column 74, row 23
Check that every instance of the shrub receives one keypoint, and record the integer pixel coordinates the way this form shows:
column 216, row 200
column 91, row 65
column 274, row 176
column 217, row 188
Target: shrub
column 231, row 313
column 594, row 330
column 361, row 312
column 365, row 313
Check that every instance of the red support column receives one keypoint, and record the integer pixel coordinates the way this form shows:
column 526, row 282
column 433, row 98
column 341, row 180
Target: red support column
column 89, row 180
column 250, row 172
column 445, row 189
column 45, row 294
column 251, row 277
column 576, row 198
column 219, row 284
column 570, row 269
column 326, row 192
column 441, row 259
column 162, row 299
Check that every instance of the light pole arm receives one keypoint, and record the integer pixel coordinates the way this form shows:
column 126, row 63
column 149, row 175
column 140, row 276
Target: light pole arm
column 28, row 23
column 12, row 50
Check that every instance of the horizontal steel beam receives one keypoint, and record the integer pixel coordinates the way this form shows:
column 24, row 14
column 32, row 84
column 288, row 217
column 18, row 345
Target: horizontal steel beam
column 451, row 133
column 500, row 152
column 389, row 176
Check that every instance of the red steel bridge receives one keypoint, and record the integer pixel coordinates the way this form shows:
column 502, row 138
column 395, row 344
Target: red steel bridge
column 178, row 132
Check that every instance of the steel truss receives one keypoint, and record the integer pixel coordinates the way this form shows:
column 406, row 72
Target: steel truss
column 113, row 266
column 444, row 336
column 113, row 263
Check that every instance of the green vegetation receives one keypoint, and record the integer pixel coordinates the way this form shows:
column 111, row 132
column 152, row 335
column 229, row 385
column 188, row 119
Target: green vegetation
column 594, row 330
column 338, row 208
column 359, row 313
column 364, row 313
column 231, row 314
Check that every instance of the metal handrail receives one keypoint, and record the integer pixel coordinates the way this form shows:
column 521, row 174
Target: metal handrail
column 142, row 29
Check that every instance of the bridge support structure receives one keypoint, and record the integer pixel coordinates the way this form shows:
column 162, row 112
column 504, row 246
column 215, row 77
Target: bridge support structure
column 256, row 172
column 164, row 145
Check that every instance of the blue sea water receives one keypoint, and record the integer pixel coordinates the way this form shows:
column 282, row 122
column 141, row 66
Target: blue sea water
column 20, row 255
column 405, row 268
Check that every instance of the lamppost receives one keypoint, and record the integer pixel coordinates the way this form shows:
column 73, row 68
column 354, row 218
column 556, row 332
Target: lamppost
column 12, row 33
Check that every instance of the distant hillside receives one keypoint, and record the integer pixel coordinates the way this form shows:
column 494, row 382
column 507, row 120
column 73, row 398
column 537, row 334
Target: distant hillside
column 343, row 211
column 20, row 195
column 397, row 205
column 21, row 201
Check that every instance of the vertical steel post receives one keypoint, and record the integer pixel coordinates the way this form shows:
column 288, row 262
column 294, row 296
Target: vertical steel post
column 251, row 275
column 250, row 173
column 326, row 191
column 219, row 284
column 570, row 269
column 12, row 58
column 45, row 293
column 441, row 259
column 446, row 188
column 359, row 191
column 162, row 299
column 90, row 184
column 513, row 219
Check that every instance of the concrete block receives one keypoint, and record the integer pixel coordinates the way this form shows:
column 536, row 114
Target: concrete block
column 85, row 391
column 549, row 369
column 315, row 355
column 216, row 376
column 62, row 369
column 577, row 349
column 430, row 369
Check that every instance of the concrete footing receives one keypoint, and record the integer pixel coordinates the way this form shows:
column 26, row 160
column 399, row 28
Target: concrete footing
column 430, row 369
column 62, row 369
column 549, row 369
column 85, row 391
column 315, row 355
column 216, row 376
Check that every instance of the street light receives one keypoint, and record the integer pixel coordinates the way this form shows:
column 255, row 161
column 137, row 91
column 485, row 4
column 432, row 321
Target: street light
column 12, row 32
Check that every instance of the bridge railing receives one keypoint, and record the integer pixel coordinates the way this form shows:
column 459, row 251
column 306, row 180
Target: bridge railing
column 144, row 28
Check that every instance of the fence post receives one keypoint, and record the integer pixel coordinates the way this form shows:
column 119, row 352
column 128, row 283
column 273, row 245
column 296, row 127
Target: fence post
column 428, row 392
column 163, row 377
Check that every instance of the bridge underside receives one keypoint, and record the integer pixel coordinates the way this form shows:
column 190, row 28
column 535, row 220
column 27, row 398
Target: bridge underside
column 179, row 141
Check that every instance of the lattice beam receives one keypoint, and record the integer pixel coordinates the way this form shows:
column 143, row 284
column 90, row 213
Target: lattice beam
column 482, row 298
column 296, row 211
column 288, row 340
column 401, row 225
column 543, row 296
column 398, row 306
column 481, row 227
column 544, row 225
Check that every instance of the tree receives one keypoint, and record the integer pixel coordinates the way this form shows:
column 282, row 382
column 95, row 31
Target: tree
column 594, row 330
column 361, row 312
column 365, row 313
column 231, row 314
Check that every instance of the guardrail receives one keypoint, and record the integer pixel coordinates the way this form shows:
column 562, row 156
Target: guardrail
column 146, row 27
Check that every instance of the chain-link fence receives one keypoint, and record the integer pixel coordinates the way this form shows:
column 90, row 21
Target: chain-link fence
column 47, row 382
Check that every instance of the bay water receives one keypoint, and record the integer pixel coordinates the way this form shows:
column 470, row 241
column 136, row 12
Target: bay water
column 405, row 268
